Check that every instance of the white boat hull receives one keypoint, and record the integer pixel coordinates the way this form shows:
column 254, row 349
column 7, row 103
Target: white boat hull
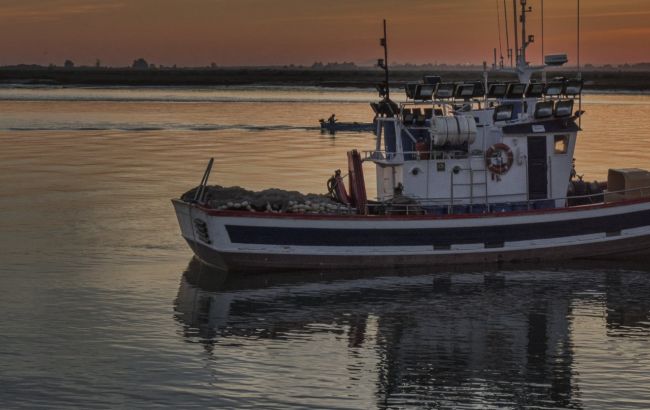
column 242, row 241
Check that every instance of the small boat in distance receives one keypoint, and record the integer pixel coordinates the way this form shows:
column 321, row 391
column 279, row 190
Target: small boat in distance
column 332, row 125
column 467, row 173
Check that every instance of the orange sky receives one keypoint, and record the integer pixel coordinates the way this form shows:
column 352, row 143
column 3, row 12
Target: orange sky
column 272, row 32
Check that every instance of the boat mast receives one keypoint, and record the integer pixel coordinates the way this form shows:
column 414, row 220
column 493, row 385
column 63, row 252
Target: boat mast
column 384, row 63
column 523, row 70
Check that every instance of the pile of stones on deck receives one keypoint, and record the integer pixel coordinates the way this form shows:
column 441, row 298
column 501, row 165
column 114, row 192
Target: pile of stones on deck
column 270, row 200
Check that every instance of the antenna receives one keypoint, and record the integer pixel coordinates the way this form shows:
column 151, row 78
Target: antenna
column 514, row 13
column 542, row 30
column 522, row 54
column 543, row 56
column 505, row 20
column 578, row 47
column 579, row 70
column 499, row 29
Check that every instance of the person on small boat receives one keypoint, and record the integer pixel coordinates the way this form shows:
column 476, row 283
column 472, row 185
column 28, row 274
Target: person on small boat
column 332, row 119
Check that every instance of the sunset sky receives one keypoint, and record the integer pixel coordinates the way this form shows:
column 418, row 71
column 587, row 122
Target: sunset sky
column 276, row 32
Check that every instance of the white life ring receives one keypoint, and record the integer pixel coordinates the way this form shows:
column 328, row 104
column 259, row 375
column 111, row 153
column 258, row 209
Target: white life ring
column 499, row 158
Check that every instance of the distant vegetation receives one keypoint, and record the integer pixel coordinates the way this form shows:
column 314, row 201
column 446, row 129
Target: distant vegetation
column 142, row 64
column 141, row 72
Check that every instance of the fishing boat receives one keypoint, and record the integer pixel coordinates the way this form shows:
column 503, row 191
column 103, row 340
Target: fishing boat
column 333, row 126
column 467, row 173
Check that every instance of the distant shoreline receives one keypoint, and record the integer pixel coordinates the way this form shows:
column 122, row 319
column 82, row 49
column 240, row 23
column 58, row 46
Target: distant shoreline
column 596, row 80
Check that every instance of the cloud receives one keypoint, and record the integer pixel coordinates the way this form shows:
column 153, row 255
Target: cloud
column 35, row 10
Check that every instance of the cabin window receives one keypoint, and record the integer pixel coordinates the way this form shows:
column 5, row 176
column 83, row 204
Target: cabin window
column 561, row 144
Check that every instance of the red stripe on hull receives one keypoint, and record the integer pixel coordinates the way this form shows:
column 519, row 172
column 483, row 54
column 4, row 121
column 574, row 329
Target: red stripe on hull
column 270, row 215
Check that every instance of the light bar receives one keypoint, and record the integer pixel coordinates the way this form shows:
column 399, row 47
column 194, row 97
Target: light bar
column 497, row 90
column 445, row 90
column 544, row 109
column 465, row 91
column 424, row 92
column 504, row 112
column 564, row 108
column 554, row 88
column 535, row 90
column 516, row 90
column 410, row 89
column 573, row 87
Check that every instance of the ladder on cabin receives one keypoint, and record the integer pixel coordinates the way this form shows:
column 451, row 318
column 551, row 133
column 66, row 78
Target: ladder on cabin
column 477, row 186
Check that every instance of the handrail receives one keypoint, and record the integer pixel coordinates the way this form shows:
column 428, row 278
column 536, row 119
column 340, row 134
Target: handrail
column 424, row 202
column 434, row 154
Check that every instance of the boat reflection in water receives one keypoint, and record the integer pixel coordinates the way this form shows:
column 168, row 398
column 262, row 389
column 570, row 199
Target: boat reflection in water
column 429, row 339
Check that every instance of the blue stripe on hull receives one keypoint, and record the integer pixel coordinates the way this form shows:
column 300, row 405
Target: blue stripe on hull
column 497, row 234
column 637, row 248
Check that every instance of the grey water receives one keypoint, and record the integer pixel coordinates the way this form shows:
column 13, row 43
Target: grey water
column 102, row 305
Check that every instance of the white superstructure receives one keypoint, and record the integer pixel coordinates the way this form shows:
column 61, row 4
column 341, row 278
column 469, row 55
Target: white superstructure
column 474, row 146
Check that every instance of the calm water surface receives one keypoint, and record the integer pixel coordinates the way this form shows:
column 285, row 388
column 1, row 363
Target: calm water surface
column 103, row 307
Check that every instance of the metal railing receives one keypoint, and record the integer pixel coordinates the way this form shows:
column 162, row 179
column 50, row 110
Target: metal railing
column 461, row 206
column 383, row 155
